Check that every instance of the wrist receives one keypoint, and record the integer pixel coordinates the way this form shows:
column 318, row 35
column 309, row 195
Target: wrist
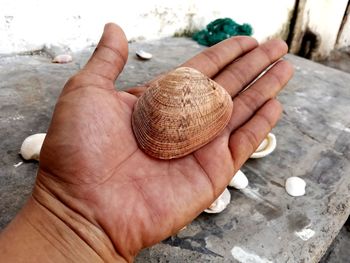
column 48, row 231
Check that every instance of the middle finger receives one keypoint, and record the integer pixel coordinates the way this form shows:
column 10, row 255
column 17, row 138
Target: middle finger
column 265, row 88
column 240, row 73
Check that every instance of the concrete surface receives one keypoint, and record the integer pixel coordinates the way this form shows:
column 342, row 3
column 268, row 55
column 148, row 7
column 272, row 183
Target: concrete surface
column 262, row 223
column 339, row 250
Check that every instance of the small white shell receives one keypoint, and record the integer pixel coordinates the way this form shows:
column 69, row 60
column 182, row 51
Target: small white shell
column 267, row 146
column 262, row 145
column 143, row 54
column 63, row 58
column 220, row 203
column 295, row 186
column 239, row 180
column 31, row 146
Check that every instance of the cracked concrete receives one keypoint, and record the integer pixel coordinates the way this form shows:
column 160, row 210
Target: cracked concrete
column 262, row 220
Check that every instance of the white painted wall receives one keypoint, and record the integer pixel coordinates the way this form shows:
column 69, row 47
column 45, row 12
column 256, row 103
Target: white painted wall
column 324, row 17
column 344, row 38
column 30, row 24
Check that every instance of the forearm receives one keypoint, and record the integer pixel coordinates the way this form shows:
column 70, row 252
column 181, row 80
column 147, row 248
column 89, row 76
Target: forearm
column 38, row 234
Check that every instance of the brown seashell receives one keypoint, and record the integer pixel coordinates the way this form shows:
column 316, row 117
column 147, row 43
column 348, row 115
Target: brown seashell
column 179, row 113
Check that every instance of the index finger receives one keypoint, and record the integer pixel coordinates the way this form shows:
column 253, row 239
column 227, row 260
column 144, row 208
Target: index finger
column 212, row 60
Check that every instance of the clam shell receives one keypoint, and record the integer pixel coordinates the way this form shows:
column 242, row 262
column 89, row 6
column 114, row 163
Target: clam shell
column 220, row 203
column 295, row 186
column 267, row 146
column 31, row 146
column 179, row 113
column 143, row 54
column 262, row 145
column 239, row 180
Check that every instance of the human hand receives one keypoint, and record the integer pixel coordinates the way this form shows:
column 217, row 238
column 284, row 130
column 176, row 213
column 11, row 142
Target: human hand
column 92, row 167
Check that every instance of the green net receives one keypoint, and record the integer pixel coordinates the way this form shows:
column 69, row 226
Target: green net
column 221, row 29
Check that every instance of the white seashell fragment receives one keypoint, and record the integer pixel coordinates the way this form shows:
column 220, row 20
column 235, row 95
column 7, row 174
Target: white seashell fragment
column 143, row 54
column 295, row 186
column 17, row 164
column 31, row 146
column 63, row 58
column 305, row 234
column 267, row 146
column 239, row 180
column 182, row 229
column 220, row 203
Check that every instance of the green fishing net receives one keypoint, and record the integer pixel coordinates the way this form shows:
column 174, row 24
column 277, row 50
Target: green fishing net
column 221, row 29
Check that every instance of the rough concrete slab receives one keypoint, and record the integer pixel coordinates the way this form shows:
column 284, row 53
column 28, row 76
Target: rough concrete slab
column 262, row 223
column 339, row 250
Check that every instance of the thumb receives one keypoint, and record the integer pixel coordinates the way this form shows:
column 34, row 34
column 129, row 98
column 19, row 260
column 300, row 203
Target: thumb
column 110, row 55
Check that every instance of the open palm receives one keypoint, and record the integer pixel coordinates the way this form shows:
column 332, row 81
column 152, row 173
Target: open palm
column 91, row 162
